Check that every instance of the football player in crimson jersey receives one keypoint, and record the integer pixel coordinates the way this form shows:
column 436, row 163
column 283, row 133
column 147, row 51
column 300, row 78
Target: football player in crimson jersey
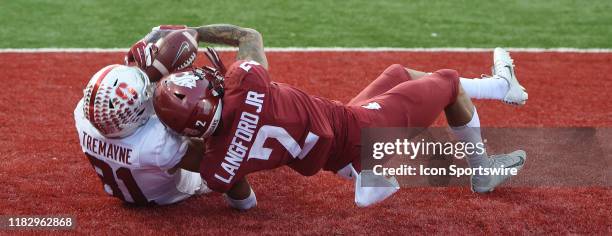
column 251, row 123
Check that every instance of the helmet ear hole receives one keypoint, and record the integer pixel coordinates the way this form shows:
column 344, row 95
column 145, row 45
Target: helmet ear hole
column 179, row 96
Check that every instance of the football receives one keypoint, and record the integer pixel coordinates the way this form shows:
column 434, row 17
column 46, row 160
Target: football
column 175, row 52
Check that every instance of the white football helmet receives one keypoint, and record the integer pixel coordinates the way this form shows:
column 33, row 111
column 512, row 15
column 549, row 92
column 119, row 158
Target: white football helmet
column 117, row 100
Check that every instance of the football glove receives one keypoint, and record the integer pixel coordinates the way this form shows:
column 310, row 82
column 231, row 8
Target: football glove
column 143, row 52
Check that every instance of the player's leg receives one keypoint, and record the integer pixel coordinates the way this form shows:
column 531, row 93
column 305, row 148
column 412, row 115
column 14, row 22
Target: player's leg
column 463, row 119
column 437, row 92
column 465, row 124
column 411, row 103
column 415, row 74
column 486, row 88
column 392, row 76
column 476, row 88
column 502, row 85
column 495, row 87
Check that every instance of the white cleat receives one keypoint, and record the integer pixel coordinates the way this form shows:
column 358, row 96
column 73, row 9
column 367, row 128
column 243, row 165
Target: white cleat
column 503, row 68
column 487, row 183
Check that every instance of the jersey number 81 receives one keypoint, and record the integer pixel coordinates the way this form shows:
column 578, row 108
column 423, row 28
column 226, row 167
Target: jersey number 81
column 125, row 175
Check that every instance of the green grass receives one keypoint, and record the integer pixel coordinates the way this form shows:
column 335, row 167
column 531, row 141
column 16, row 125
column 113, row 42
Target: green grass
column 322, row 23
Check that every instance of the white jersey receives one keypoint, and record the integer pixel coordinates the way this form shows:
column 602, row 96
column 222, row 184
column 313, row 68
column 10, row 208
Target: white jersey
column 134, row 168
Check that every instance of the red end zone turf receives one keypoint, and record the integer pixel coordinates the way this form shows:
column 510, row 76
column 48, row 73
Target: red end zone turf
column 43, row 171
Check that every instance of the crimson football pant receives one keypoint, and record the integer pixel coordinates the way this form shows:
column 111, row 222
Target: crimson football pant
column 395, row 100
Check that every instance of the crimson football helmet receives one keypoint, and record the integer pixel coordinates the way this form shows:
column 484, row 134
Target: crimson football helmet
column 190, row 102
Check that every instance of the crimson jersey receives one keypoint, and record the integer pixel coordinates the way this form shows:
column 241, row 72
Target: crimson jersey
column 265, row 125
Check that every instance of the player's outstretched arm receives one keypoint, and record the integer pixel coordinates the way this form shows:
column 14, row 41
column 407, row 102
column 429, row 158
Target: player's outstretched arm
column 248, row 41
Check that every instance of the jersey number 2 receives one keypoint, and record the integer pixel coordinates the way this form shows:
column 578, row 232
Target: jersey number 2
column 247, row 65
column 258, row 151
column 124, row 174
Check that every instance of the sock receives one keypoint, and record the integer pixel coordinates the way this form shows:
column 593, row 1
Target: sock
column 470, row 132
column 489, row 88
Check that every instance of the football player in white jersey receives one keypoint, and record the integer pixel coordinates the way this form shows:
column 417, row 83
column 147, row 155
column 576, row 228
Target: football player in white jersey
column 137, row 159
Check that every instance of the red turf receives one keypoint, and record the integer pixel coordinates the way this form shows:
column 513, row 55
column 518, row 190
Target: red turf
column 44, row 172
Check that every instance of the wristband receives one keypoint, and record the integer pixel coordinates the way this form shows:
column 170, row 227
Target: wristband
column 244, row 204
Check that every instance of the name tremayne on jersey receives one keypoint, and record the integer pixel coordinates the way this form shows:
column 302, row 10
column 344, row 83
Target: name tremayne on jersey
column 243, row 136
column 110, row 151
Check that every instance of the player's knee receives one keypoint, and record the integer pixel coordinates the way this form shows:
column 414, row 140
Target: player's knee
column 451, row 76
column 448, row 74
column 397, row 71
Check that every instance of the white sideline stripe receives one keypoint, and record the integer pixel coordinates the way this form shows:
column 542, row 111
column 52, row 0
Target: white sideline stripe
column 319, row 49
